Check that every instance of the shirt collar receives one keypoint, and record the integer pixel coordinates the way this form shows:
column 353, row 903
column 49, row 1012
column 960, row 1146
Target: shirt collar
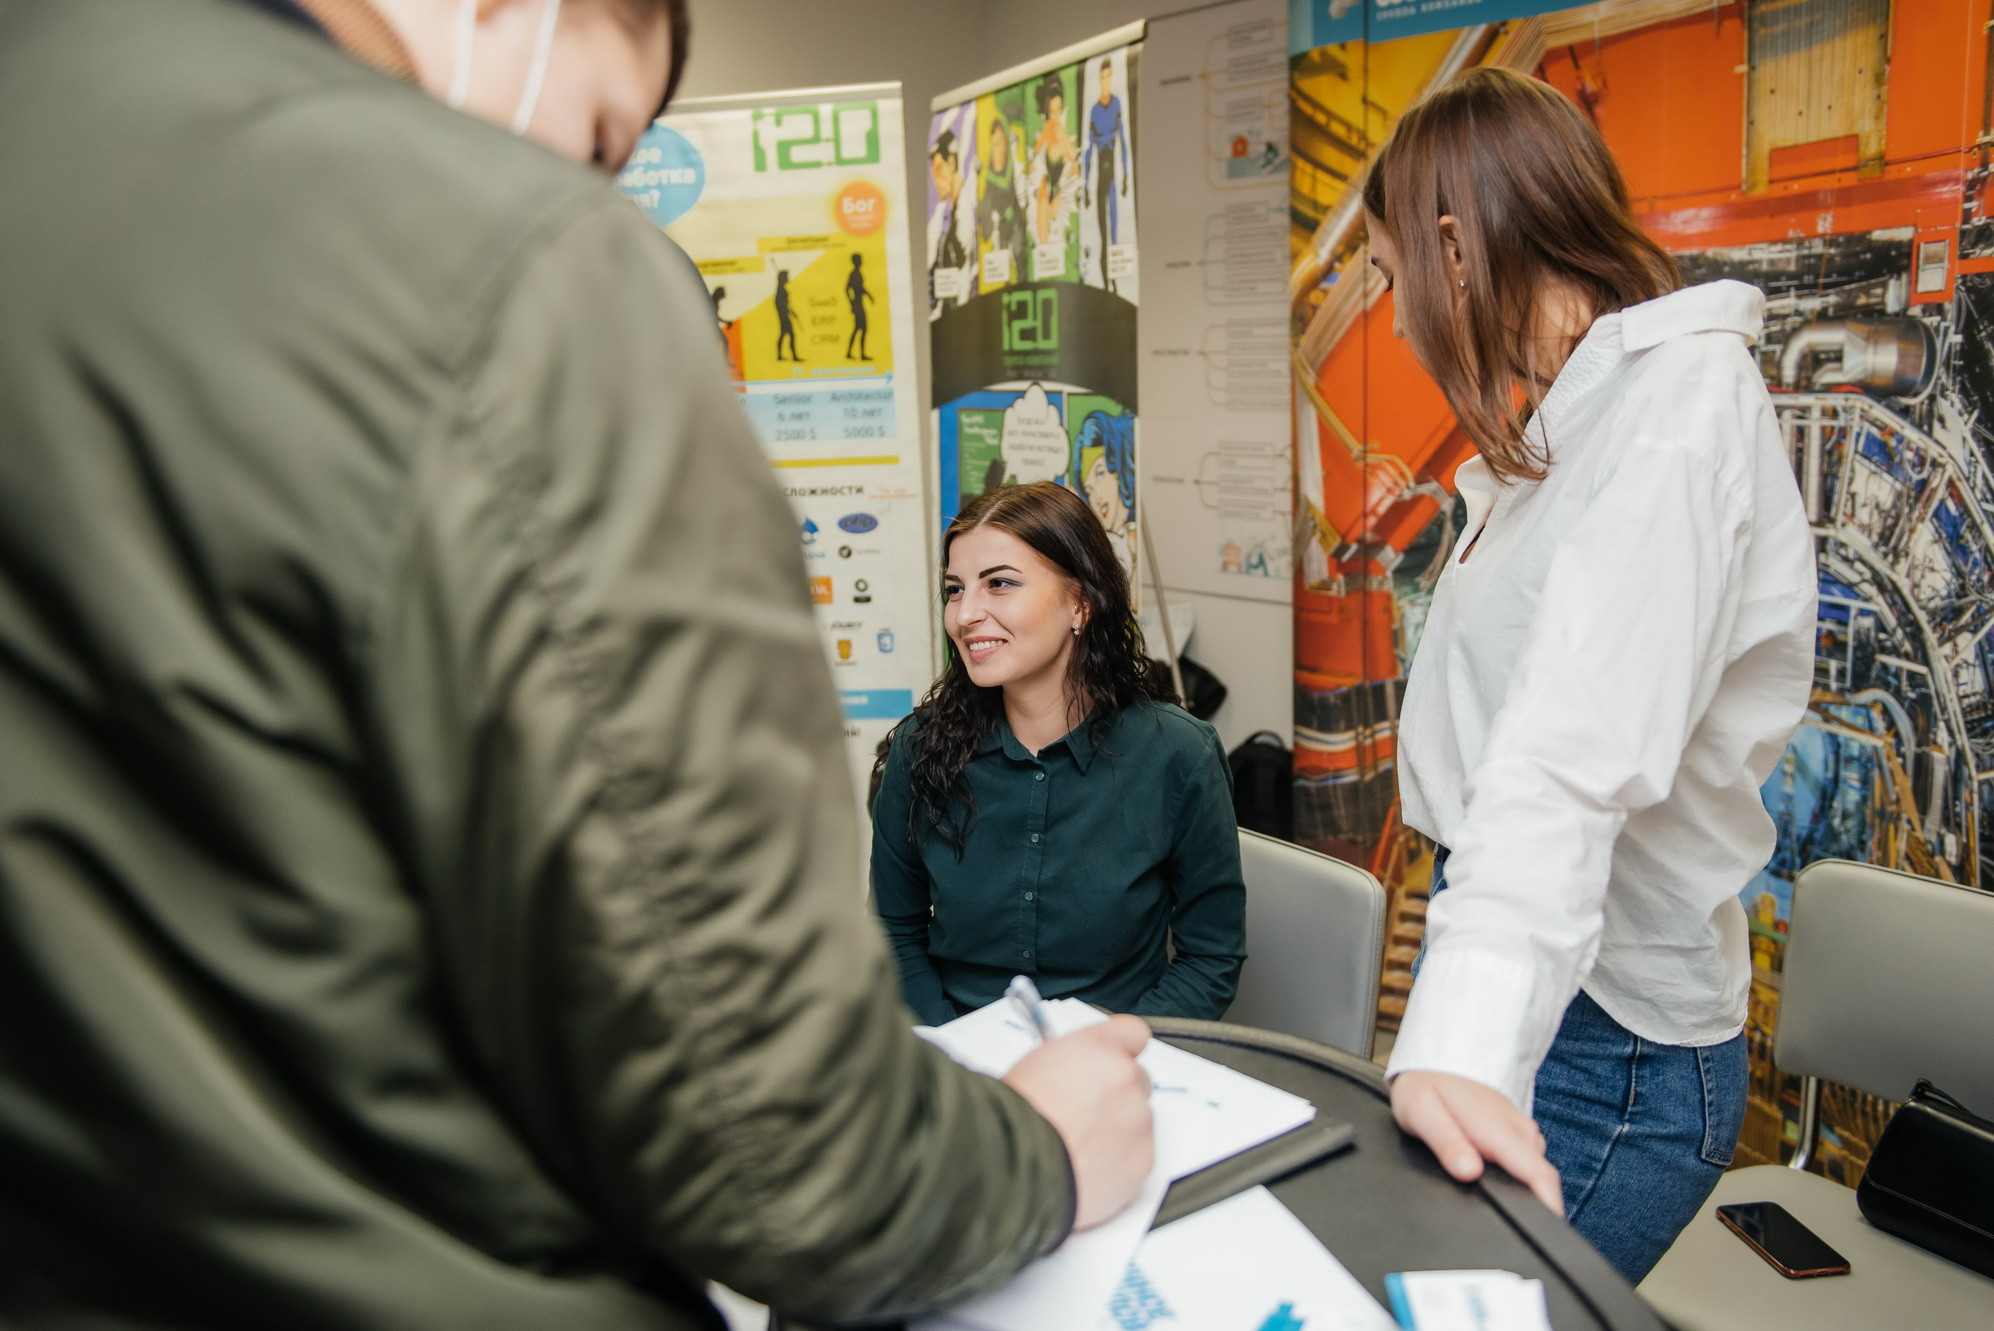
column 1078, row 741
column 1725, row 306
column 1714, row 307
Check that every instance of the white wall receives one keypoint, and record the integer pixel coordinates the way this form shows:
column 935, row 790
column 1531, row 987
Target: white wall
column 1014, row 31
column 1250, row 646
column 932, row 46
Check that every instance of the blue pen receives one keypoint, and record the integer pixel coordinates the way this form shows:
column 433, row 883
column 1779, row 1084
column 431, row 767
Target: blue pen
column 1026, row 995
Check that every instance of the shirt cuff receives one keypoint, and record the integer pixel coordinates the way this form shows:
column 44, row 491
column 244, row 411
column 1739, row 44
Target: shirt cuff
column 1477, row 1015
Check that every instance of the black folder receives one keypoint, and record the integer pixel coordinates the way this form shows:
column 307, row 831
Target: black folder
column 1270, row 1160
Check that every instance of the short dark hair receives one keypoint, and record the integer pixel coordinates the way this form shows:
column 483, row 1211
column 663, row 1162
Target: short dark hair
column 1048, row 88
column 678, row 20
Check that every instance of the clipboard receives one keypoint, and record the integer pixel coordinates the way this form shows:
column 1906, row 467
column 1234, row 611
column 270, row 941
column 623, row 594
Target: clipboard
column 1316, row 1140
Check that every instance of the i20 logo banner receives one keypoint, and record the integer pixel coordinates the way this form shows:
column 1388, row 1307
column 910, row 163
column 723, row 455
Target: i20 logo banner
column 808, row 138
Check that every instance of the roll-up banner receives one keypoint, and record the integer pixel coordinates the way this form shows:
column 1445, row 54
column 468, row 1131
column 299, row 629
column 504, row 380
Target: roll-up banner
column 792, row 205
column 1218, row 469
column 1032, row 286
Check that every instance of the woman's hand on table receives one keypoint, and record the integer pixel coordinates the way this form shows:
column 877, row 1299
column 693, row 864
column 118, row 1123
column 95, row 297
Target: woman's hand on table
column 1466, row 1123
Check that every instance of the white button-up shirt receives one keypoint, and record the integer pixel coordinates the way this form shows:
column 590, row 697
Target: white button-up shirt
column 1602, row 686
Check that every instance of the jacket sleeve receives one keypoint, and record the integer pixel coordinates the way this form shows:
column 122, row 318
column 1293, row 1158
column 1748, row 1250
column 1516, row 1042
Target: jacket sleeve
column 630, row 813
column 902, row 891
column 1624, row 651
column 1208, row 909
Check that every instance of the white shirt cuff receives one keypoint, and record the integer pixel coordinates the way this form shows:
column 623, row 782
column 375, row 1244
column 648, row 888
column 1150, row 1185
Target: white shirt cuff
column 1477, row 1015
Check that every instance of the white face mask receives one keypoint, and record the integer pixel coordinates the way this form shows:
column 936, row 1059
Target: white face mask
column 536, row 72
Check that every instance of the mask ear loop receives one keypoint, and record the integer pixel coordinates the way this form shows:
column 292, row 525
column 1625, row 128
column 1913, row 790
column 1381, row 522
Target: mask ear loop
column 536, row 75
column 460, row 71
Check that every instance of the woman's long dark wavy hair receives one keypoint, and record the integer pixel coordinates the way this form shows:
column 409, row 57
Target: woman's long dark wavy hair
column 1108, row 671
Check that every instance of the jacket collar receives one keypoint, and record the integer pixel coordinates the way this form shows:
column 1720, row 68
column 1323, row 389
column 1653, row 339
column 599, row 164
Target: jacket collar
column 1725, row 306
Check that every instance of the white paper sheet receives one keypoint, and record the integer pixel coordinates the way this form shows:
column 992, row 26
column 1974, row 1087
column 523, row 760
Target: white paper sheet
column 1243, row 1264
column 1204, row 1113
column 1064, row 1290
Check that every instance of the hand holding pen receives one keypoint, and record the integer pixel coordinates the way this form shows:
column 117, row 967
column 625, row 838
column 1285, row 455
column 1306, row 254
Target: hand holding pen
column 1024, row 995
column 1093, row 1092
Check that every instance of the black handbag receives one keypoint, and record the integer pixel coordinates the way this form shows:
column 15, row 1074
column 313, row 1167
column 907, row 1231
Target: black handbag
column 1930, row 1180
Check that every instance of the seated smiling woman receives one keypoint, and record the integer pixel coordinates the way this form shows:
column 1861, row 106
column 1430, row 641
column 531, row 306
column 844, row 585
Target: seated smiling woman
column 1044, row 812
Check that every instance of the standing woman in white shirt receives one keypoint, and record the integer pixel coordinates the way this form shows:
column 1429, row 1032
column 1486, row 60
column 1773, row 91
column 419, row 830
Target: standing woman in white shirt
column 1615, row 657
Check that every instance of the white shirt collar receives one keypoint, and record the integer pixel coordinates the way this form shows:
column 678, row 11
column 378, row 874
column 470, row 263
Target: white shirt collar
column 1713, row 307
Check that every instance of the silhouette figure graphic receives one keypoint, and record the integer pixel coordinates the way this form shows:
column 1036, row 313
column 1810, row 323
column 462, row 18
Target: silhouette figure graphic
column 719, row 294
column 786, row 327
column 857, row 296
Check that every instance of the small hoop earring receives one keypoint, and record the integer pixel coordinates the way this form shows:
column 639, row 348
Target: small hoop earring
column 1076, row 630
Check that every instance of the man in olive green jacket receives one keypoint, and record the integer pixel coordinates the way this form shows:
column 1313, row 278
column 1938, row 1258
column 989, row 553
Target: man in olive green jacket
column 427, row 882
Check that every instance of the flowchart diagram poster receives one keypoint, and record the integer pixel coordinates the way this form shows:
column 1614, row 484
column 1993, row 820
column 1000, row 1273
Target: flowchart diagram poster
column 1212, row 339
column 793, row 208
column 1032, row 287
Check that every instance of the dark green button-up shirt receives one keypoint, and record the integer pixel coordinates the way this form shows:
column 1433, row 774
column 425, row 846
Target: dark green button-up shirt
column 1083, row 867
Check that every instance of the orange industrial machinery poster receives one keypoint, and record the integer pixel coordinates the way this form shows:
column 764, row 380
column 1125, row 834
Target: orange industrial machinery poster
column 1835, row 153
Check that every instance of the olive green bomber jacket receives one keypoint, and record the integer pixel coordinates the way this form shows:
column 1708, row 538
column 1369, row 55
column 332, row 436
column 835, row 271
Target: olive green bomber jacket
column 427, row 874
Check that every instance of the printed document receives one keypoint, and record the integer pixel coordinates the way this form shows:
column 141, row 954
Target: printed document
column 1204, row 1113
column 1243, row 1264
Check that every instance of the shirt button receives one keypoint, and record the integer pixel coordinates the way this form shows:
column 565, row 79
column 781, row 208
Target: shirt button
column 1039, row 777
column 1028, row 952
column 1035, row 838
column 1028, row 896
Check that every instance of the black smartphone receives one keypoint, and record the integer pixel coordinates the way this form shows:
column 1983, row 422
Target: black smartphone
column 1794, row 1250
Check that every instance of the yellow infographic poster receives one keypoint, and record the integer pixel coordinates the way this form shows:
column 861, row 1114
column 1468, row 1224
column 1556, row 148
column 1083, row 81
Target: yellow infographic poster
column 793, row 208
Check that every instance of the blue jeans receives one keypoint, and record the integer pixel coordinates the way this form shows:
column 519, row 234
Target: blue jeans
column 1639, row 1131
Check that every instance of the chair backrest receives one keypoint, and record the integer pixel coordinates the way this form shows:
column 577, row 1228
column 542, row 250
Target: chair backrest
column 1315, row 934
column 1889, row 977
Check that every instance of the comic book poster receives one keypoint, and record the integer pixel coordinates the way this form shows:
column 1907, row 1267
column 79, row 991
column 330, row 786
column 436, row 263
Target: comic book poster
column 1832, row 152
column 793, row 209
column 1032, row 285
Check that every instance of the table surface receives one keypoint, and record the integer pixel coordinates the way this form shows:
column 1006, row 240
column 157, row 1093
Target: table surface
column 1386, row 1205
column 1710, row 1281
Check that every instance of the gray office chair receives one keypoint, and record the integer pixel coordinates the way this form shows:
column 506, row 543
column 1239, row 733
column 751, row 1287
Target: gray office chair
column 1887, row 980
column 1315, row 936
